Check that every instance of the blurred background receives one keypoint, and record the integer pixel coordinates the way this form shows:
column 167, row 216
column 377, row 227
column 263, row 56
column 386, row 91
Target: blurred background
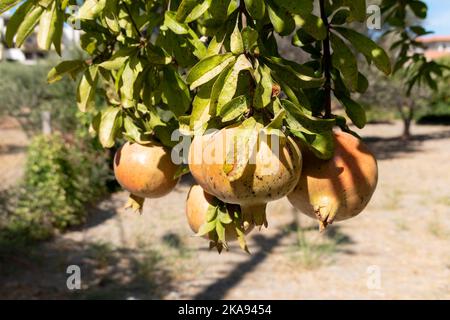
column 60, row 205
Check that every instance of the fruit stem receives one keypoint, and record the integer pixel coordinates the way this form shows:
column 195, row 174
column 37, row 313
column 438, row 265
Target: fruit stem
column 326, row 60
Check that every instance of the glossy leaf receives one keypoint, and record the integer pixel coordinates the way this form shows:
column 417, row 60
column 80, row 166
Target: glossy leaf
column 70, row 67
column 354, row 111
column 110, row 124
column 86, row 89
column 344, row 60
column 256, row 8
column 234, row 109
column 368, row 48
column 5, row 5
column 208, row 69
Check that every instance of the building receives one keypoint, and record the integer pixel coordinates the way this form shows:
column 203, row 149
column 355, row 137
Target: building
column 435, row 46
column 30, row 51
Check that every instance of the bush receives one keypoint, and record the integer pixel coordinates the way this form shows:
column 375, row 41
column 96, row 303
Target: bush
column 25, row 94
column 61, row 178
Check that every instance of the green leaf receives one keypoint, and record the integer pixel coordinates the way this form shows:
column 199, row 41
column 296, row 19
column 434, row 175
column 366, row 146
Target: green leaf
column 296, row 6
column 171, row 22
column 236, row 43
column 344, row 60
column 313, row 25
column 296, row 79
column 91, row 9
column 368, row 48
column 363, row 83
column 175, row 92
column 15, row 21
column 129, row 81
column 217, row 88
column 66, row 67
column 340, row 17
column 230, row 85
column 299, row 120
column 86, row 88
column 198, row 11
column 110, row 124
column 234, row 109
column 249, row 38
column 206, row 228
column 132, row 131
column 282, row 21
column 419, row 8
column 29, row 23
column 277, row 121
column 201, row 108
column 211, row 213
column 5, row 5
column 220, row 230
column 357, row 10
column 119, row 58
column 256, row 8
column 263, row 92
column 219, row 9
column 208, row 69
column 301, row 38
column 224, row 216
column 47, row 27
column 354, row 111
column 58, row 33
column 157, row 55
column 321, row 144
column 184, row 9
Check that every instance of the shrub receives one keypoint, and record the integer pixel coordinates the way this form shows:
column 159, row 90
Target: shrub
column 25, row 94
column 61, row 178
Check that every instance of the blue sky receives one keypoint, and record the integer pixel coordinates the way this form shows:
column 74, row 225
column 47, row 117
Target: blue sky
column 438, row 19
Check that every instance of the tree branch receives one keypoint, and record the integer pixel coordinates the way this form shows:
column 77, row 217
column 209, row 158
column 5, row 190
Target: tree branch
column 326, row 61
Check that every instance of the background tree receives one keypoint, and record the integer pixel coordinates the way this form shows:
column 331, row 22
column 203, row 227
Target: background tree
column 414, row 75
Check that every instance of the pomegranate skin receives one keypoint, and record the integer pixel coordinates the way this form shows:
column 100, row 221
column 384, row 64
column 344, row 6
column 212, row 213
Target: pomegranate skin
column 146, row 171
column 270, row 178
column 339, row 188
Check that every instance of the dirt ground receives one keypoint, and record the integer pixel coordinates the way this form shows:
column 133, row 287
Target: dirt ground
column 399, row 248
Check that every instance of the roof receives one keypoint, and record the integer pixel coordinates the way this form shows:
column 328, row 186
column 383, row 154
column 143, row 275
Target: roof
column 431, row 39
column 433, row 55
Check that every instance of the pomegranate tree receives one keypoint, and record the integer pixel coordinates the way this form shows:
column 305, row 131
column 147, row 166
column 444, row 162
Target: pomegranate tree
column 191, row 66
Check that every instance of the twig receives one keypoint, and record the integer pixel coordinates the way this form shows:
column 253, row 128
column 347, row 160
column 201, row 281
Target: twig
column 326, row 61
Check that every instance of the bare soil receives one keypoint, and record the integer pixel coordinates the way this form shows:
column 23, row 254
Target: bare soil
column 397, row 249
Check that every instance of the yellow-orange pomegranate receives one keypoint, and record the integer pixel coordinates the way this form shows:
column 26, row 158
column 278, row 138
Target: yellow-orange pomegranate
column 269, row 177
column 146, row 171
column 197, row 204
column 339, row 188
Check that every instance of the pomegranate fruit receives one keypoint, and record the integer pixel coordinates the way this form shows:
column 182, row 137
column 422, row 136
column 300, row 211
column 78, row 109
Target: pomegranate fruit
column 339, row 188
column 146, row 171
column 198, row 203
column 268, row 177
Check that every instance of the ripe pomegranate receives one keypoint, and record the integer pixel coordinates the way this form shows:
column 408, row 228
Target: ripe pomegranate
column 268, row 177
column 146, row 171
column 199, row 143
column 339, row 188
column 197, row 204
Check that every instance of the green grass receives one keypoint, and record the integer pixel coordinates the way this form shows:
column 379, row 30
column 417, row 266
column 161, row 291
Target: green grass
column 312, row 250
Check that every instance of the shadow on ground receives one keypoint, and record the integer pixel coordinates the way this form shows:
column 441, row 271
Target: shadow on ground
column 106, row 272
column 388, row 148
column 265, row 246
